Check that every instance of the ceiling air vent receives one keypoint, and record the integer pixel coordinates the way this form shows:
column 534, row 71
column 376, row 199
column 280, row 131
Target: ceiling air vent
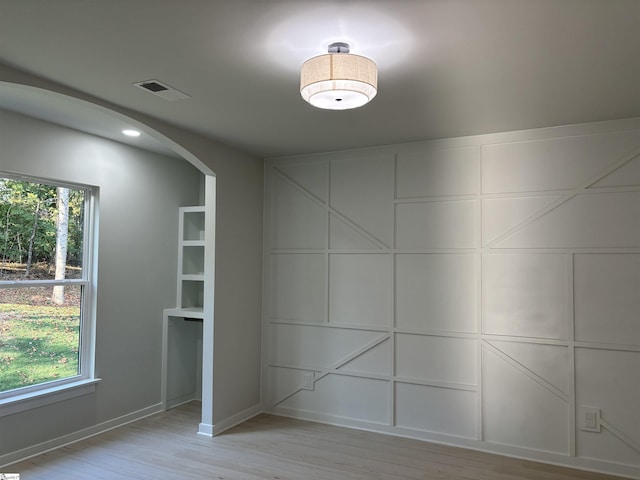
column 161, row 90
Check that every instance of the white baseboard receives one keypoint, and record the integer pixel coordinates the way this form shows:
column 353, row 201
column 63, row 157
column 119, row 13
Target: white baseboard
column 585, row 464
column 25, row 453
column 205, row 429
column 176, row 402
column 237, row 419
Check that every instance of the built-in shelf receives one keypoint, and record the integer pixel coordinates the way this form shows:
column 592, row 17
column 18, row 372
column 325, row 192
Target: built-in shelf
column 192, row 223
column 192, row 277
column 182, row 348
column 185, row 312
column 193, row 243
column 193, row 260
column 191, row 248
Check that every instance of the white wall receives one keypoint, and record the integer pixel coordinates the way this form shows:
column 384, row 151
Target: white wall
column 475, row 291
column 140, row 193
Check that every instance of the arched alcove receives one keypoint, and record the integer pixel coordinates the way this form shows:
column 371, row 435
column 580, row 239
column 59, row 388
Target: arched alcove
column 93, row 118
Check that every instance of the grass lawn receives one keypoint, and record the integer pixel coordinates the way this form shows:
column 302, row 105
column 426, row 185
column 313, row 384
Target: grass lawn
column 38, row 343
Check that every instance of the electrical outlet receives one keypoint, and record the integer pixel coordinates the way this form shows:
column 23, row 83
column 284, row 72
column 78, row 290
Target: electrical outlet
column 307, row 381
column 589, row 419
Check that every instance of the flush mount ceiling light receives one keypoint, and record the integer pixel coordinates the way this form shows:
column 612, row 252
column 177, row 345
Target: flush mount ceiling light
column 338, row 80
column 131, row 133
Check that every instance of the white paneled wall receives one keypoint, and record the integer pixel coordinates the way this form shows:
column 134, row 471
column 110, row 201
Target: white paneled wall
column 480, row 291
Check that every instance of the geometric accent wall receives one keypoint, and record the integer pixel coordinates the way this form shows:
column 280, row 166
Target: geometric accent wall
column 481, row 291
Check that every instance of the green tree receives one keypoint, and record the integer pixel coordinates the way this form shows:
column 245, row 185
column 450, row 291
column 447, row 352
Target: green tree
column 26, row 209
column 62, row 240
column 28, row 216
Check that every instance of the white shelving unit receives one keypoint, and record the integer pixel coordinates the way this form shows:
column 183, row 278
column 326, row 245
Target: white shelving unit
column 191, row 247
column 182, row 325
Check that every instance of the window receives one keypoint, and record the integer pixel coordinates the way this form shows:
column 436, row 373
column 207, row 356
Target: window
column 46, row 304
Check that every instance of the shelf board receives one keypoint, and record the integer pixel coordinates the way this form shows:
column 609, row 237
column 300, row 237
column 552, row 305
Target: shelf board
column 195, row 208
column 192, row 243
column 192, row 312
column 194, row 277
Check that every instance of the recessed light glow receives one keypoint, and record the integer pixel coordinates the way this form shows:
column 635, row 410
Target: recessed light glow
column 131, row 133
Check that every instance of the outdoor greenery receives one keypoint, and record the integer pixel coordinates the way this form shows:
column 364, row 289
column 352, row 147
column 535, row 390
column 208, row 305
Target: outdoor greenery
column 28, row 214
column 41, row 237
column 37, row 343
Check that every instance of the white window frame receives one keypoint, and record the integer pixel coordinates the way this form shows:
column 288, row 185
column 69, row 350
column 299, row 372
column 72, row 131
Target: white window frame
column 34, row 396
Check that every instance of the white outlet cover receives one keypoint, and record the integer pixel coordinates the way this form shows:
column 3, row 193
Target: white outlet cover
column 589, row 419
column 307, row 381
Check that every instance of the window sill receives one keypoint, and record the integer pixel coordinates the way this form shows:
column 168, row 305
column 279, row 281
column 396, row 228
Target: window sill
column 27, row 401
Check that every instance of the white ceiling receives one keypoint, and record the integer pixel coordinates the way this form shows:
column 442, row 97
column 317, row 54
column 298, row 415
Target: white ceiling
column 446, row 67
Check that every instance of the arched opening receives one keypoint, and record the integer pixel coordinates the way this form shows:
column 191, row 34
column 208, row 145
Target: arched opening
column 95, row 119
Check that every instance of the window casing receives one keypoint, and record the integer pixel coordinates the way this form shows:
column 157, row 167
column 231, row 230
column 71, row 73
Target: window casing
column 81, row 286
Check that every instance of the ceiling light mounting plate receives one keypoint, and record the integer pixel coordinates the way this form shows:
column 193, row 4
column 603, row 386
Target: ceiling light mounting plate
column 339, row 47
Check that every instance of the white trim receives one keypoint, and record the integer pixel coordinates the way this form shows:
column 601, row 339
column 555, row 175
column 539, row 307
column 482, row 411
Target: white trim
column 19, row 402
column 205, row 429
column 176, row 402
column 236, row 419
column 474, row 147
column 210, row 296
column 45, row 393
column 42, row 283
column 578, row 463
column 26, row 453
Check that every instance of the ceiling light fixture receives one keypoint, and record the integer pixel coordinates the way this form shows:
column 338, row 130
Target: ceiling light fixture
column 338, row 80
column 131, row 133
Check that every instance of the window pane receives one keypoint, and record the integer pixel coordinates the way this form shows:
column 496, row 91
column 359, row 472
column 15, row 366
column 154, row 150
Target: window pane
column 41, row 231
column 39, row 340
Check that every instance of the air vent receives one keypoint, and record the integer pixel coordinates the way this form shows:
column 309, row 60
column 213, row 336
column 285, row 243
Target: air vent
column 161, row 90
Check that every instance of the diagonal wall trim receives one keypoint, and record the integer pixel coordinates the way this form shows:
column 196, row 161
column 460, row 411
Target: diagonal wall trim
column 343, row 373
column 302, row 189
column 352, row 356
column 620, row 436
column 522, row 369
column 343, row 326
column 357, row 228
column 432, row 383
column 581, row 189
column 436, row 333
column 349, row 225
column 340, row 363
column 619, row 164
column 529, row 220
column 487, row 236
column 541, row 341
column 288, row 395
column 436, row 199
column 332, row 210
column 598, row 177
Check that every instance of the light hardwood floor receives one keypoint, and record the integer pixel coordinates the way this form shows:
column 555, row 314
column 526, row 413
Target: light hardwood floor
column 166, row 446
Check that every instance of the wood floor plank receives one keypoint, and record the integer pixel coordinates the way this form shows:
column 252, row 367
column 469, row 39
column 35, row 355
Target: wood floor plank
column 268, row 447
